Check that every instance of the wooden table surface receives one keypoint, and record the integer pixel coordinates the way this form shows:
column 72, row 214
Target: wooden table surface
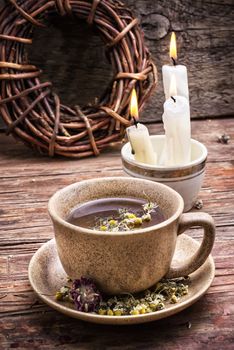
column 28, row 180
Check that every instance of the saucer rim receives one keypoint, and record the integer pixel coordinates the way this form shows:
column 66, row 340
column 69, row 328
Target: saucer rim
column 120, row 320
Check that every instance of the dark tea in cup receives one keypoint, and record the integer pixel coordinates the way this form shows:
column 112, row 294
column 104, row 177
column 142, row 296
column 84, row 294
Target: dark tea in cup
column 116, row 214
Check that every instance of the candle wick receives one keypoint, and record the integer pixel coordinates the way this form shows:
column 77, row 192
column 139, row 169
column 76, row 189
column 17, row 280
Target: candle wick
column 173, row 98
column 135, row 121
column 174, row 61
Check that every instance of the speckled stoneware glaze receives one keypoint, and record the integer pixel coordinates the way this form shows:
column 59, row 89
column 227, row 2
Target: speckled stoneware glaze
column 47, row 276
column 126, row 261
column 185, row 179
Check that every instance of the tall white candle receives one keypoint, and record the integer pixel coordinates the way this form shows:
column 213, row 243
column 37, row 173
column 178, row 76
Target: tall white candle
column 179, row 71
column 176, row 119
column 138, row 136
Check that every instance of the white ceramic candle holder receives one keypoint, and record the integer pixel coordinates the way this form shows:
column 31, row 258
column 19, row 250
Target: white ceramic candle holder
column 186, row 179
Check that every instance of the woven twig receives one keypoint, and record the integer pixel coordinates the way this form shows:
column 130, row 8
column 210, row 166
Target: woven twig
column 34, row 113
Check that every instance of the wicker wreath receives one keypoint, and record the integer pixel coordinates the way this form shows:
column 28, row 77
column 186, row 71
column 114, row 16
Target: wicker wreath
column 30, row 108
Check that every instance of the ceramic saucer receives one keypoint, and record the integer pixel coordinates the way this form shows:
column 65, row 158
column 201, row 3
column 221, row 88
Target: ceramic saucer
column 46, row 276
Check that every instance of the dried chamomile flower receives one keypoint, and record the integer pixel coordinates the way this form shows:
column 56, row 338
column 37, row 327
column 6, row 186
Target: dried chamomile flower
column 129, row 216
column 146, row 217
column 125, row 220
column 224, row 139
column 87, row 298
column 198, row 204
column 149, row 207
column 63, row 294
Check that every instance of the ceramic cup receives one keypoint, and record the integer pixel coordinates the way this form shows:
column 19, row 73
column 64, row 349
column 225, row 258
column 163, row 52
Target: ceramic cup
column 186, row 180
column 126, row 261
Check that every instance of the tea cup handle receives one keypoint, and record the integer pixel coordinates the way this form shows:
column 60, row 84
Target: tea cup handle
column 187, row 221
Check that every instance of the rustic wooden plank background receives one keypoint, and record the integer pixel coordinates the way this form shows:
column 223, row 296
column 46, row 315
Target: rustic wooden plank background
column 72, row 56
column 27, row 180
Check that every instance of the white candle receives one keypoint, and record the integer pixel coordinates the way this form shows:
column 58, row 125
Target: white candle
column 141, row 144
column 139, row 138
column 176, row 119
column 179, row 71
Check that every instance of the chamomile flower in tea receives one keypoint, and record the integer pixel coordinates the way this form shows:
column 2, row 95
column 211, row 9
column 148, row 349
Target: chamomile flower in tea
column 116, row 214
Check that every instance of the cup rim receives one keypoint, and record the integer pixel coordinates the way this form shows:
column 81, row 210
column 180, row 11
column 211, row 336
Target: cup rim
column 125, row 155
column 86, row 231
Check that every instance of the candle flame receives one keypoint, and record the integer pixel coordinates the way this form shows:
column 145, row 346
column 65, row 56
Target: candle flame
column 134, row 105
column 173, row 87
column 173, row 49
